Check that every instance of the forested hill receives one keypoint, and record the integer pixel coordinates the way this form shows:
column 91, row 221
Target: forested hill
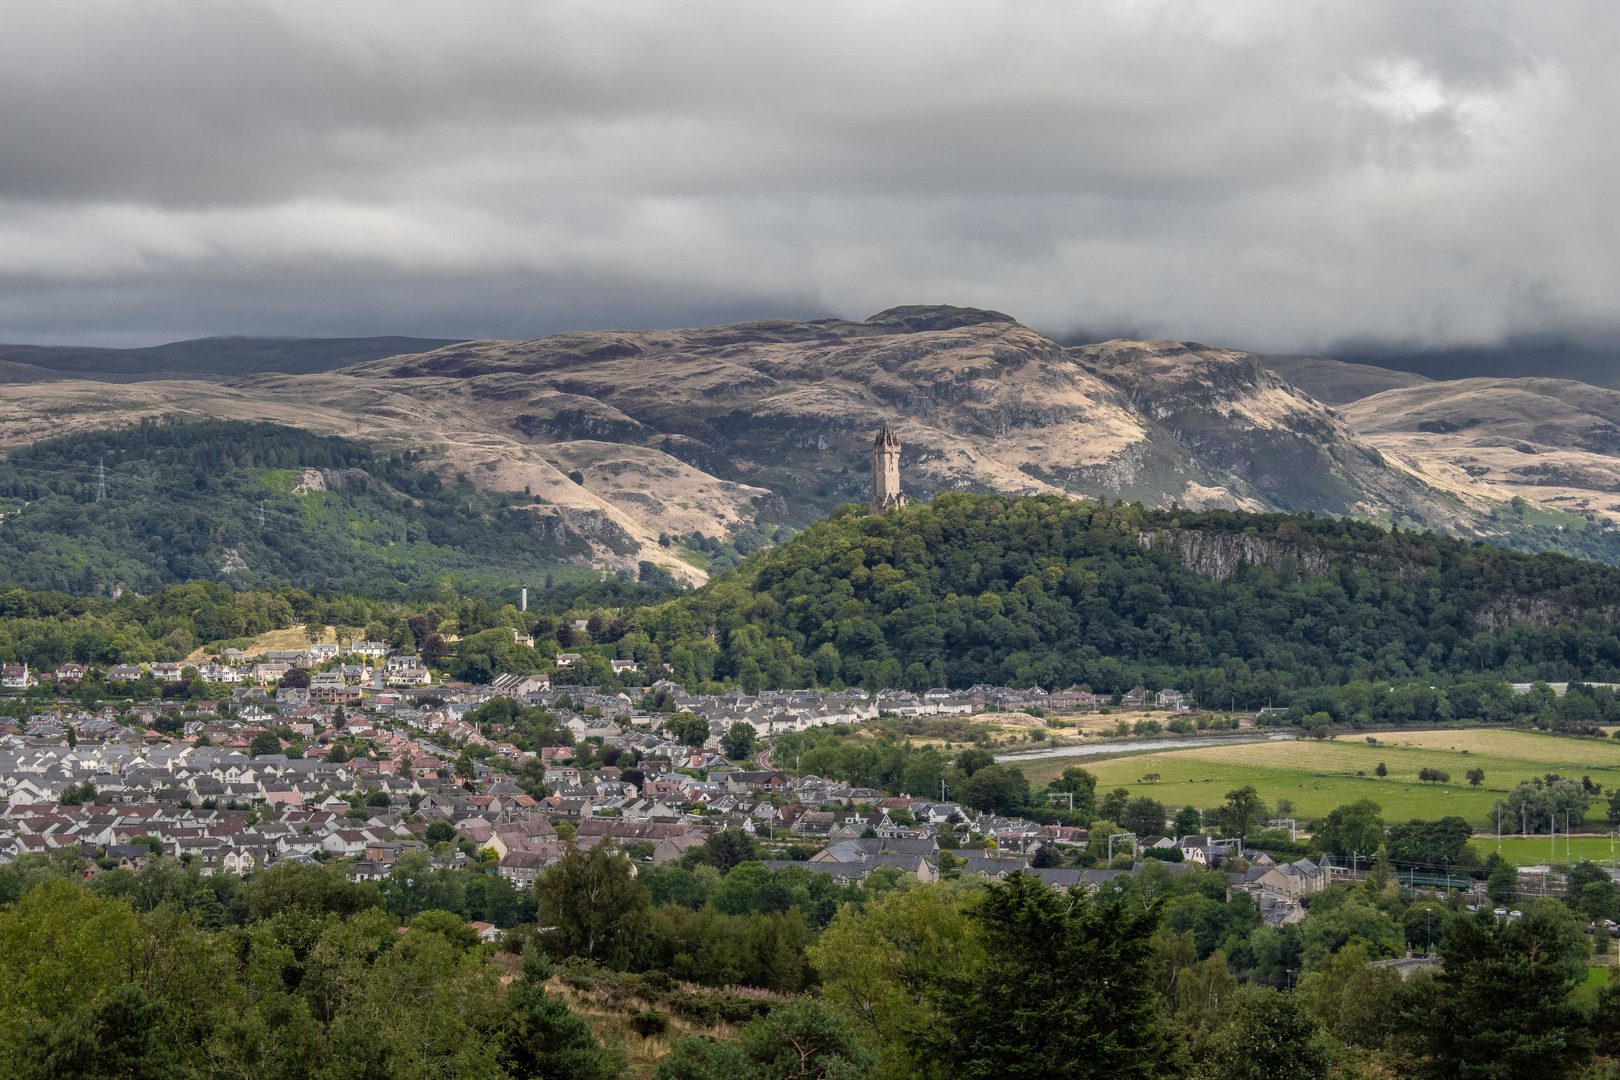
column 253, row 504
column 1049, row 591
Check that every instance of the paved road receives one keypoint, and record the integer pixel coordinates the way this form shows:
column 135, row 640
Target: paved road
column 1089, row 749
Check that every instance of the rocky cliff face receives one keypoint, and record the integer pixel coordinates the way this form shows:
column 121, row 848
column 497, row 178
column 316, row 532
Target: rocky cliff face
column 1220, row 555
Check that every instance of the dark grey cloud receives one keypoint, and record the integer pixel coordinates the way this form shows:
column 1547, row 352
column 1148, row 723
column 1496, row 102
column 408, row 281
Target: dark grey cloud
column 1273, row 175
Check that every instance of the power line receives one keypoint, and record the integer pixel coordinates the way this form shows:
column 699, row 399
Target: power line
column 101, row 480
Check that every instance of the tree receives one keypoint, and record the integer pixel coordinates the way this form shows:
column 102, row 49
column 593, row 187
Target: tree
column 119, row 1038
column 728, row 848
column 1189, row 821
column 440, row 831
column 996, row 789
column 971, row 761
column 1082, row 785
column 1381, row 770
column 1475, row 777
column 1144, row 816
column 1590, row 892
column 1502, row 1005
column 1433, row 776
column 1424, row 924
column 1242, row 811
column 1013, row 980
column 598, row 908
column 1354, row 1000
column 296, row 678
column 264, row 743
column 543, row 1038
column 738, row 741
column 1357, row 828
column 1265, row 1035
column 687, row 728
column 434, row 650
column 1502, row 886
column 1063, row 988
column 802, row 1040
column 1442, row 843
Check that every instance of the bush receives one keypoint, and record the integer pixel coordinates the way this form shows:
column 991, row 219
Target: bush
column 717, row 1008
column 657, row 982
column 649, row 1023
column 584, row 975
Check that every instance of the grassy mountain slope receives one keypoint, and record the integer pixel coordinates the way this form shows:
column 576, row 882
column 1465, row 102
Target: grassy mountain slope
column 980, row 402
column 1551, row 444
column 678, row 439
column 1596, row 363
column 1334, row 382
column 217, row 357
column 254, row 504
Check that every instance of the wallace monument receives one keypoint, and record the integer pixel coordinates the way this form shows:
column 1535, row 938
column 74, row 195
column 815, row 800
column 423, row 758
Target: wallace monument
column 886, row 471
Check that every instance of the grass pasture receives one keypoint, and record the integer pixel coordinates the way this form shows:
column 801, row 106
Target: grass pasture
column 1317, row 776
column 1533, row 850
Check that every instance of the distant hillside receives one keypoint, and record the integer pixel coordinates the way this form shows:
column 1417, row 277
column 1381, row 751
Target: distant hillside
column 254, row 504
column 1334, row 382
column 1549, row 449
column 1538, row 358
column 213, row 357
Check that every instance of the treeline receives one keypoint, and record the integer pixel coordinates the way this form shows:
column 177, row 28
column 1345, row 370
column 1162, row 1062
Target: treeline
column 1385, row 627
column 1052, row 592
column 1581, row 710
column 297, row 972
column 45, row 629
column 214, row 500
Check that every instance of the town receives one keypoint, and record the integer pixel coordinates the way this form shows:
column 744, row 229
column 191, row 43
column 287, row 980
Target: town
column 378, row 762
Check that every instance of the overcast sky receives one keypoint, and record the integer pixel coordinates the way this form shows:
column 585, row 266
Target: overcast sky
column 1278, row 176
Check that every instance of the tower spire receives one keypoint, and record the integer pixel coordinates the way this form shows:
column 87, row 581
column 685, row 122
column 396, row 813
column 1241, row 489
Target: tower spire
column 886, row 471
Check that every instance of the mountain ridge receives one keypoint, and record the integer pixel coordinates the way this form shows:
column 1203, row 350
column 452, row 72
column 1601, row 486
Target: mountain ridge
column 671, row 437
column 206, row 358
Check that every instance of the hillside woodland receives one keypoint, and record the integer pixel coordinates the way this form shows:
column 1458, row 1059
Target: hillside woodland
column 719, row 967
column 1334, row 618
column 255, row 504
column 1242, row 608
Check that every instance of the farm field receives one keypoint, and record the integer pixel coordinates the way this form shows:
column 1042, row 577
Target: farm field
column 1317, row 776
column 1533, row 850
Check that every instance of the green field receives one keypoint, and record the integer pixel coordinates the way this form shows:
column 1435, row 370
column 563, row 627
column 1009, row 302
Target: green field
column 1528, row 851
column 1596, row 977
column 1317, row 776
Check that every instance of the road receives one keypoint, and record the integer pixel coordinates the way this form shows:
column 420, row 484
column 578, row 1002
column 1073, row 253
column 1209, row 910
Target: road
column 1092, row 749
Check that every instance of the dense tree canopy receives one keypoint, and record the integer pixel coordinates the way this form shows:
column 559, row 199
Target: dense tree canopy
column 1049, row 591
column 229, row 500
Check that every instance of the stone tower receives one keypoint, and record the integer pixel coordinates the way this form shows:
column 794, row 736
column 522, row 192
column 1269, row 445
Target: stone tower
column 886, row 471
